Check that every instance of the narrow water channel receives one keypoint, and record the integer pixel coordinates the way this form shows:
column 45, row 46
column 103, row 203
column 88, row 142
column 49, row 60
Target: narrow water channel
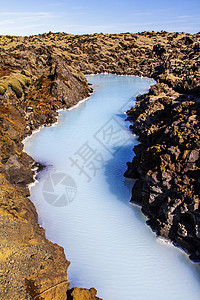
column 82, row 200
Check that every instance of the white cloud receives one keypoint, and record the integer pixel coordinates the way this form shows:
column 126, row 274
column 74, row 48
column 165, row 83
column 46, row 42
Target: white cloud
column 18, row 23
column 77, row 21
column 17, row 17
column 142, row 13
column 24, row 13
column 55, row 4
column 184, row 17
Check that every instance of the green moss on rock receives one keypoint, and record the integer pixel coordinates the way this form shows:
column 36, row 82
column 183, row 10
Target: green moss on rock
column 16, row 86
column 16, row 81
column 3, row 87
column 79, row 76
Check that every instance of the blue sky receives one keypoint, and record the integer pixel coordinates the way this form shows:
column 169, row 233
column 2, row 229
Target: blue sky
column 90, row 16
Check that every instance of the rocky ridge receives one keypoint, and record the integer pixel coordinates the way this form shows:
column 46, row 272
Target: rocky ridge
column 166, row 165
column 31, row 267
column 42, row 73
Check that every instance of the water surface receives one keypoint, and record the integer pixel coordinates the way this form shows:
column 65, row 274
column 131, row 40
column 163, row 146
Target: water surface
column 104, row 236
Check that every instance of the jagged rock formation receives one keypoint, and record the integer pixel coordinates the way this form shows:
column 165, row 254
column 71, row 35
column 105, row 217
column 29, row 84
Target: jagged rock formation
column 167, row 164
column 42, row 73
column 31, row 266
column 82, row 294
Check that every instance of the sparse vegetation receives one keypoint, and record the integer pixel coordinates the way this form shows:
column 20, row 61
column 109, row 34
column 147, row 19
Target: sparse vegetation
column 16, row 81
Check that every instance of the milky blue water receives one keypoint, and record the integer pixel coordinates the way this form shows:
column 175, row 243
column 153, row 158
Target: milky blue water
column 82, row 200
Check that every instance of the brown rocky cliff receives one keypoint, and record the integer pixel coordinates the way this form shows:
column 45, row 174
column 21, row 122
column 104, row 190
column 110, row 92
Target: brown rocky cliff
column 82, row 294
column 29, row 264
column 31, row 267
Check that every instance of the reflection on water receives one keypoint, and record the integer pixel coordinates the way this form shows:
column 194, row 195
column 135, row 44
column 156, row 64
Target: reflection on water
column 104, row 236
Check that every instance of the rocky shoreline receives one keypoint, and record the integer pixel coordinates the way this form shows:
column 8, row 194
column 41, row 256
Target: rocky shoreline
column 166, row 165
column 40, row 74
column 31, row 266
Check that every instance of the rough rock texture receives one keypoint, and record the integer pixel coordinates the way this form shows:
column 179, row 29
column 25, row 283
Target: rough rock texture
column 31, row 267
column 166, row 165
column 42, row 73
column 82, row 294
